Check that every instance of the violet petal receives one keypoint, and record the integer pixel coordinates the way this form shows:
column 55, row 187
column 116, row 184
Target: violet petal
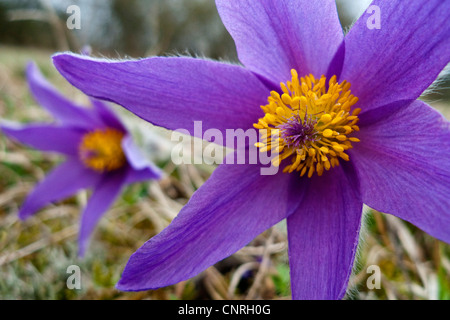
column 138, row 162
column 62, row 182
column 172, row 92
column 233, row 206
column 402, row 58
column 45, row 137
column 105, row 192
column 274, row 36
column 61, row 108
column 107, row 116
column 402, row 161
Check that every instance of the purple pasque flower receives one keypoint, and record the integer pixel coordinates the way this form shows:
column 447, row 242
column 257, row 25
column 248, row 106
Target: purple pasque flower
column 376, row 145
column 100, row 154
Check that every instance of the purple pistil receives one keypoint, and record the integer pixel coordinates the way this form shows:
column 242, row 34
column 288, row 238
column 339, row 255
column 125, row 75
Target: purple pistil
column 296, row 131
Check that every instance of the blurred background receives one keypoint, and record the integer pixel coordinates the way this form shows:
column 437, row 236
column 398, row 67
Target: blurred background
column 35, row 254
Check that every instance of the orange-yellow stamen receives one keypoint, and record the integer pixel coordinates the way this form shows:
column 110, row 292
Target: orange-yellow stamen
column 101, row 150
column 310, row 123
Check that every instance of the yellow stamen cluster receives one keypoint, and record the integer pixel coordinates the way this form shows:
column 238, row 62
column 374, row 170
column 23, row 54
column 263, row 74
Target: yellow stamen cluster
column 313, row 122
column 101, row 150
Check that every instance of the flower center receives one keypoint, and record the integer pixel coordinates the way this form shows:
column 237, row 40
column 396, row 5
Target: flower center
column 309, row 123
column 101, row 150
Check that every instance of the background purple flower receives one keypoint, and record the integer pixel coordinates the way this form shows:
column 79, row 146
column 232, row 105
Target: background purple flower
column 400, row 166
column 68, row 136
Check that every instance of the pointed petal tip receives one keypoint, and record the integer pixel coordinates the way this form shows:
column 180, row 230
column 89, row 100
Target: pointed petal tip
column 141, row 86
column 7, row 125
column 125, row 284
column 60, row 55
column 158, row 172
column 83, row 242
column 122, row 285
column 180, row 252
column 24, row 214
column 30, row 68
column 119, row 287
column 81, row 250
column 59, row 60
column 138, row 161
column 128, row 283
column 62, row 59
